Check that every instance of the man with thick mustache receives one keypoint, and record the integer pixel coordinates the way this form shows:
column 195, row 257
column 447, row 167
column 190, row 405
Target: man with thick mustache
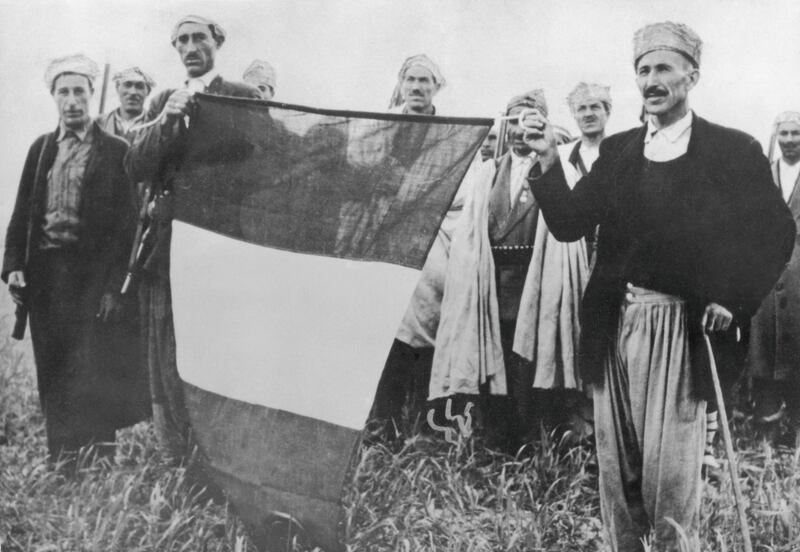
column 65, row 255
column 775, row 331
column 693, row 234
column 418, row 81
column 133, row 86
column 153, row 157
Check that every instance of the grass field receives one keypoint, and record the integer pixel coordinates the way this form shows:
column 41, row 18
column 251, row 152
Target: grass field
column 424, row 495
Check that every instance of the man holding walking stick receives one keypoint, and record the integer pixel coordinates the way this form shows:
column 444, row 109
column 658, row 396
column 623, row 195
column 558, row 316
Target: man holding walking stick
column 692, row 236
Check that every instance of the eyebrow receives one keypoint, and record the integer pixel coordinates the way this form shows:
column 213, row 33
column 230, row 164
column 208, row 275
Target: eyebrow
column 195, row 35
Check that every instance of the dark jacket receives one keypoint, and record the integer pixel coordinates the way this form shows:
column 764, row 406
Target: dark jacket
column 106, row 210
column 737, row 232
column 153, row 150
column 155, row 155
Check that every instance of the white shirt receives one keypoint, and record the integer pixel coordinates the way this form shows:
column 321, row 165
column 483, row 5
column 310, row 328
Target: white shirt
column 787, row 174
column 194, row 83
column 589, row 154
column 668, row 143
column 520, row 167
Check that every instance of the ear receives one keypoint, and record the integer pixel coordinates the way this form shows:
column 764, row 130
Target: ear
column 694, row 76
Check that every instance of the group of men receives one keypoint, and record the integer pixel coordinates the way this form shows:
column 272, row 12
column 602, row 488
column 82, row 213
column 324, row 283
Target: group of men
column 589, row 266
column 683, row 231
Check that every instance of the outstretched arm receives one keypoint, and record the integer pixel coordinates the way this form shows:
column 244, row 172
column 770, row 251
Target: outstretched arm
column 570, row 213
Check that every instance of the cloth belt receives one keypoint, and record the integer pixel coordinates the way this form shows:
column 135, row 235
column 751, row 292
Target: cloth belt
column 636, row 294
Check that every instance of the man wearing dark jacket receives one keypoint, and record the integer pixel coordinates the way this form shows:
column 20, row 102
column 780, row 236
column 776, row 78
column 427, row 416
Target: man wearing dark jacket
column 65, row 254
column 692, row 236
column 154, row 156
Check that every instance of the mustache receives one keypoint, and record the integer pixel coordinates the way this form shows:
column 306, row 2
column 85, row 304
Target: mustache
column 654, row 91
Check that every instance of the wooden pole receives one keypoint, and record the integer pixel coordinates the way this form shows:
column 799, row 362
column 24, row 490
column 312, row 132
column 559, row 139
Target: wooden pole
column 726, row 438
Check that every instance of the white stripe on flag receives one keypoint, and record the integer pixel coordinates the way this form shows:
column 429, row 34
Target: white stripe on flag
column 302, row 333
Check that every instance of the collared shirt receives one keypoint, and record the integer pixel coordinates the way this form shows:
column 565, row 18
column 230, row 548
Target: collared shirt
column 668, row 143
column 193, row 83
column 520, row 167
column 115, row 124
column 787, row 177
column 64, row 182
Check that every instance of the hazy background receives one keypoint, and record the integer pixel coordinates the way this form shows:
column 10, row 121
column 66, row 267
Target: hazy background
column 346, row 54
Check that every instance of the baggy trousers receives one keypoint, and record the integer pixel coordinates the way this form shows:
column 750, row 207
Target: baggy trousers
column 650, row 427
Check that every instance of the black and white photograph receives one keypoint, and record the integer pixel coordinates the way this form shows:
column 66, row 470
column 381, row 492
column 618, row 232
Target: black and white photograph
column 383, row 275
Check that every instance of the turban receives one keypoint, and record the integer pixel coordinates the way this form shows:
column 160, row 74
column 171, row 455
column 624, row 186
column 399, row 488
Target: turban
column 667, row 36
column 134, row 74
column 589, row 91
column 423, row 61
column 219, row 32
column 261, row 72
column 78, row 63
column 533, row 99
column 787, row 117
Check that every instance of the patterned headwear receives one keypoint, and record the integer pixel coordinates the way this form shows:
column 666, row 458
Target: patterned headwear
column 134, row 74
column 260, row 72
column 533, row 99
column 787, row 117
column 589, row 91
column 667, row 36
column 77, row 63
column 219, row 32
column 423, row 61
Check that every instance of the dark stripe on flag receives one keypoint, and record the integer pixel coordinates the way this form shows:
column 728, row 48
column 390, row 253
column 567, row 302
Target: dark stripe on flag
column 270, row 461
column 370, row 187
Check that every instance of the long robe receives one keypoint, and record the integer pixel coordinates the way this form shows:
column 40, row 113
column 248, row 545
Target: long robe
column 468, row 344
column 89, row 373
column 775, row 330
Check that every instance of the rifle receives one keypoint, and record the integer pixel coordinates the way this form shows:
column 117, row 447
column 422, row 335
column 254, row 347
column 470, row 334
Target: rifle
column 104, row 89
column 142, row 240
column 142, row 233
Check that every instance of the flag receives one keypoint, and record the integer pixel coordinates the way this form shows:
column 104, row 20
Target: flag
column 297, row 243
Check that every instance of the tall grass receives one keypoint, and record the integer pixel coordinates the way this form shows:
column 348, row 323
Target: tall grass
column 426, row 495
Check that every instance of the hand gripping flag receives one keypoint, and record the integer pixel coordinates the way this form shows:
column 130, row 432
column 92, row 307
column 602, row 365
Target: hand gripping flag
column 297, row 243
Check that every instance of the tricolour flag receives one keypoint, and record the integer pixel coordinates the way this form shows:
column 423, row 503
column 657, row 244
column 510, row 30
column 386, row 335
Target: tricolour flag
column 298, row 240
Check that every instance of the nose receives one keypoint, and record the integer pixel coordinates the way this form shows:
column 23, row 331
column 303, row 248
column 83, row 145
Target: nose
column 652, row 79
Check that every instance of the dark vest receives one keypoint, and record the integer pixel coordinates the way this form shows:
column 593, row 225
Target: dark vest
column 512, row 230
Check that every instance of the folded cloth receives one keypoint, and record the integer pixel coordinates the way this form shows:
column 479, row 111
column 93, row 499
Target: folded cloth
column 468, row 349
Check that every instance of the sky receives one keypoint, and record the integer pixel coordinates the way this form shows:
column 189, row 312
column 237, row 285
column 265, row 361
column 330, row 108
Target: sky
column 345, row 54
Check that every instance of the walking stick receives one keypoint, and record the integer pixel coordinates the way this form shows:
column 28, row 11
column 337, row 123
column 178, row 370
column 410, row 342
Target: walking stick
column 726, row 437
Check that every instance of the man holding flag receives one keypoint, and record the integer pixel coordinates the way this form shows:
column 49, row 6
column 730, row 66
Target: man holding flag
column 154, row 155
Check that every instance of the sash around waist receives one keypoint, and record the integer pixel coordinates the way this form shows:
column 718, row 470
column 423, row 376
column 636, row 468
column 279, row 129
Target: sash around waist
column 636, row 294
